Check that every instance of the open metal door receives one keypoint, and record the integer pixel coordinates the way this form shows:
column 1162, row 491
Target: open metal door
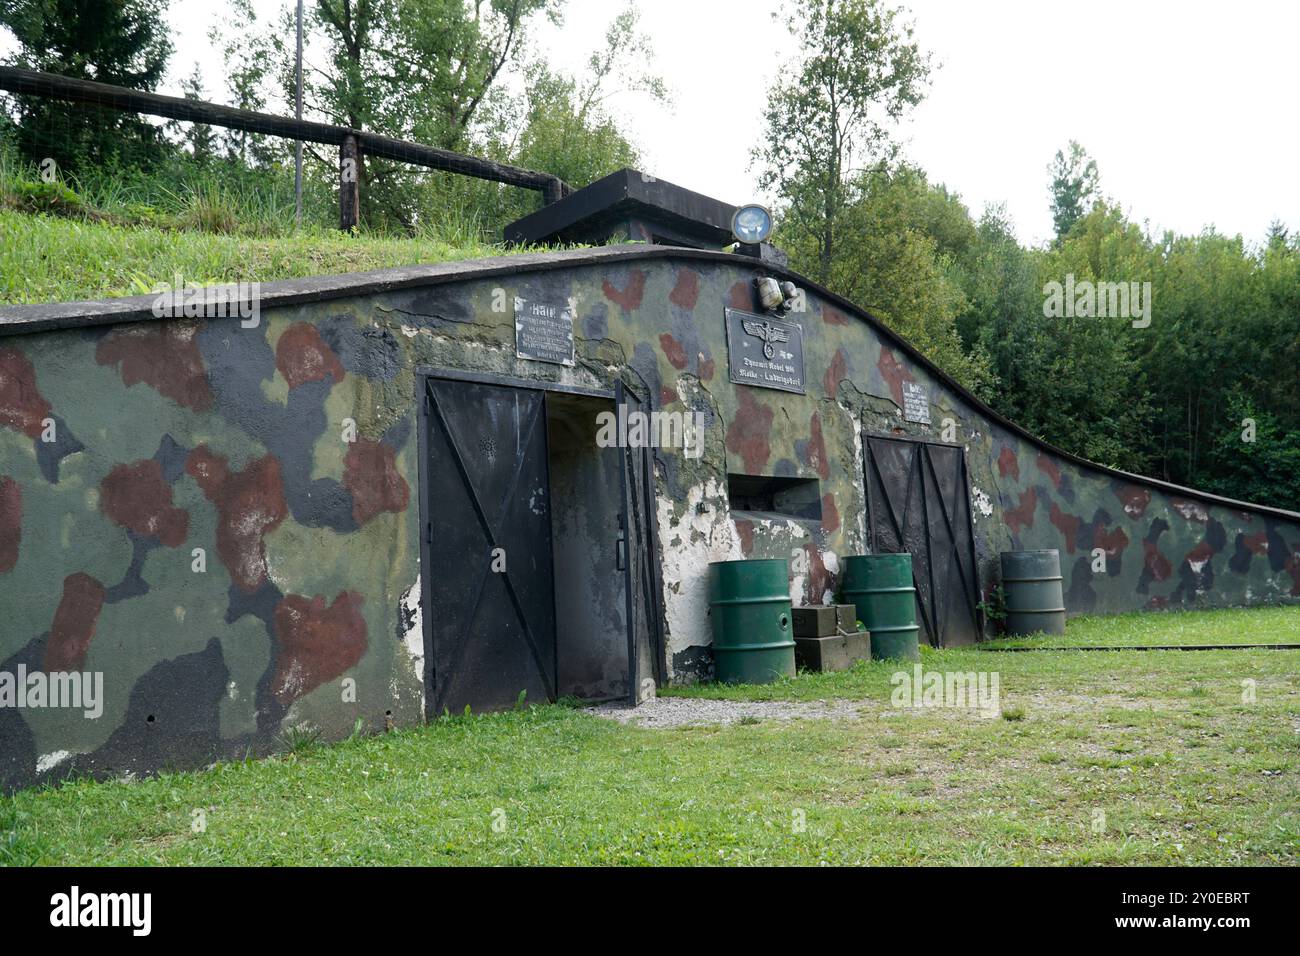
column 638, row 558
column 918, row 501
column 490, row 601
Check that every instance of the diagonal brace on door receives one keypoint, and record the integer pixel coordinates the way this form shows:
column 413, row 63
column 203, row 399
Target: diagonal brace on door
column 489, row 532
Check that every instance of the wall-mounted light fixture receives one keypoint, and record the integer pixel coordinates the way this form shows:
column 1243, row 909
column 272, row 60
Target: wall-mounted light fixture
column 769, row 293
column 776, row 297
column 751, row 224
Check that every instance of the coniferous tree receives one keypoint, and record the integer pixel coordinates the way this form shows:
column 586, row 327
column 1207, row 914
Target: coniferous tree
column 122, row 42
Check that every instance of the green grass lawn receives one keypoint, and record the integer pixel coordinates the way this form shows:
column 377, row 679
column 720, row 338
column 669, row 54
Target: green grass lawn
column 52, row 259
column 1277, row 625
column 1099, row 758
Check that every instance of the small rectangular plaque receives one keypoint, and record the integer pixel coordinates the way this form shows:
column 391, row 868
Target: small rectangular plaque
column 764, row 351
column 916, row 403
column 544, row 332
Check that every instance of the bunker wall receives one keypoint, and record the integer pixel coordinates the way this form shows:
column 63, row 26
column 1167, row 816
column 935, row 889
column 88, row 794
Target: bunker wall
column 224, row 520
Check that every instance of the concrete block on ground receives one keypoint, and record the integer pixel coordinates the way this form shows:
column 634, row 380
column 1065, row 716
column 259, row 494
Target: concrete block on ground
column 837, row 652
column 815, row 620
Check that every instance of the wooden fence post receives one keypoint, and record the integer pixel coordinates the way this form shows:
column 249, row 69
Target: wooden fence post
column 349, row 183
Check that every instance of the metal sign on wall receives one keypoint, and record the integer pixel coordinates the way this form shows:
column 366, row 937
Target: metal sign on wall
column 544, row 332
column 916, row 403
column 764, row 351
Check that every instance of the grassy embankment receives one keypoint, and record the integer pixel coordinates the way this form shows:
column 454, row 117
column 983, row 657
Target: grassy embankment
column 59, row 245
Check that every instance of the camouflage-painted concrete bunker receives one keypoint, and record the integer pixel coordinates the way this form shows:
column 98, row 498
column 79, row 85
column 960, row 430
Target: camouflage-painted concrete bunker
column 368, row 507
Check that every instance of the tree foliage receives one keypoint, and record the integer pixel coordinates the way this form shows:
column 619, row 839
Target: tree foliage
column 1180, row 398
column 1204, row 396
column 123, row 42
column 856, row 74
column 900, row 242
column 433, row 72
column 1073, row 189
column 568, row 127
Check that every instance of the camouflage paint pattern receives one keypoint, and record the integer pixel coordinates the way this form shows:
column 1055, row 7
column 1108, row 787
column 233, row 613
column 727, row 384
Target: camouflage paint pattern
column 175, row 435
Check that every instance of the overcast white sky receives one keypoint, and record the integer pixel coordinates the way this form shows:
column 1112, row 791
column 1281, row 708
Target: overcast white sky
column 1189, row 108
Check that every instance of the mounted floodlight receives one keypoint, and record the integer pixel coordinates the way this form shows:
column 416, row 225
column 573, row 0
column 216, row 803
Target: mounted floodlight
column 751, row 224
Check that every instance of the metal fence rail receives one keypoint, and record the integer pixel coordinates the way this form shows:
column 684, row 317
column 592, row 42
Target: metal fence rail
column 351, row 143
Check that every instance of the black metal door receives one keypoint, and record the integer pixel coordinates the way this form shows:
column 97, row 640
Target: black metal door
column 491, row 603
column 918, row 501
column 638, row 558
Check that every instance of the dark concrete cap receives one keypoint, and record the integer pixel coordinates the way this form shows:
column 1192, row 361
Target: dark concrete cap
column 586, row 215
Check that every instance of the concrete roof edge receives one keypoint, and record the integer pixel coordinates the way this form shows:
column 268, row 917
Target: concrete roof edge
column 24, row 319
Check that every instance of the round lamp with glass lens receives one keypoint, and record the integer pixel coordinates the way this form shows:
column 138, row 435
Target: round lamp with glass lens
column 751, row 224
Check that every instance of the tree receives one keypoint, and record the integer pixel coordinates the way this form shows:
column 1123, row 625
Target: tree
column 897, row 256
column 567, row 125
column 1260, row 463
column 1003, row 317
column 1277, row 236
column 1074, row 187
column 569, row 129
column 448, row 54
column 249, row 54
column 411, row 69
column 123, row 42
column 199, row 136
column 857, row 73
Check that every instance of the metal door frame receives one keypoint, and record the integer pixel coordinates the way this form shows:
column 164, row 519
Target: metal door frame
column 425, row 372
column 654, row 609
column 869, row 462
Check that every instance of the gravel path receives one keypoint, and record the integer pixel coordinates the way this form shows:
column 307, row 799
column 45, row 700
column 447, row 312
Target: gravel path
column 668, row 712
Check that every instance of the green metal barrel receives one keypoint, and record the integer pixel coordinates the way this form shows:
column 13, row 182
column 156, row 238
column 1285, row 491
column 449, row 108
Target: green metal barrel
column 880, row 587
column 1031, row 582
column 749, row 604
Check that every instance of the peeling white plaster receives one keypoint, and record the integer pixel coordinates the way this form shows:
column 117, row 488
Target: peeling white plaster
column 831, row 561
column 859, row 469
column 413, row 636
column 983, row 504
column 704, row 532
column 51, row 760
